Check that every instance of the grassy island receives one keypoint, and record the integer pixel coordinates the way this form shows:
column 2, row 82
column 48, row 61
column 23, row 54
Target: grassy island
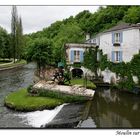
column 23, row 101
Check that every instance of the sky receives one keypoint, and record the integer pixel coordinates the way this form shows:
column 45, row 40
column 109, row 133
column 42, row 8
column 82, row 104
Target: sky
column 35, row 18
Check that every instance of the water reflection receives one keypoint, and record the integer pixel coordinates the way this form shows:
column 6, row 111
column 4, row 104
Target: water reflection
column 111, row 108
column 88, row 123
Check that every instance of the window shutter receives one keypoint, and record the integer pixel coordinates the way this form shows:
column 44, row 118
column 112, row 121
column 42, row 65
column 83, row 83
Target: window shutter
column 121, row 37
column 121, row 56
column 113, row 37
column 72, row 56
column 113, row 56
column 81, row 56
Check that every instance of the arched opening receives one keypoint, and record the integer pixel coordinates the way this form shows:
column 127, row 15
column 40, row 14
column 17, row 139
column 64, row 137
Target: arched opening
column 77, row 73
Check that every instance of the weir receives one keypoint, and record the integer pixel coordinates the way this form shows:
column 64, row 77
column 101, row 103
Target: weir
column 40, row 118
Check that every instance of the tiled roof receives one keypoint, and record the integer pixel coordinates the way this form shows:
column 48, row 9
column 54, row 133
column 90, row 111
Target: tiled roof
column 121, row 26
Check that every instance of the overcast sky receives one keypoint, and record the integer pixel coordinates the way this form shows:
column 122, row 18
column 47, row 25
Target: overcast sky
column 35, row 18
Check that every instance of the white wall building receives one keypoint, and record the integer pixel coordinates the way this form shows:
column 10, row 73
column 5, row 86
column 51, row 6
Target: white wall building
column 120, row 43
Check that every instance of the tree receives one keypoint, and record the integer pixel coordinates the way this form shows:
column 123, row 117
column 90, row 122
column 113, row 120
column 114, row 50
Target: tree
column 104, row 63
column 90, row 60
column 20, row 39
column 83, row 19
column 124, row 71
column 16, row 34
column 135, row 66
column 132, row 15
column 14, row 22
column 5, row 50
column 70, row 32
column 40, row 52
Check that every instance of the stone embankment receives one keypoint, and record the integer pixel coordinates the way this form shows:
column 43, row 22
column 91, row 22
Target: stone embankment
column 71, row 90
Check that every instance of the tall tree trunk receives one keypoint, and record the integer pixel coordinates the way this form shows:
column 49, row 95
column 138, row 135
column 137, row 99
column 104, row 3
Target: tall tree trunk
column 16, row 34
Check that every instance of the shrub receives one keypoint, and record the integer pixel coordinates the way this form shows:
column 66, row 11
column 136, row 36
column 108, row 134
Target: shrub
column 59, row 95
column 29, row 88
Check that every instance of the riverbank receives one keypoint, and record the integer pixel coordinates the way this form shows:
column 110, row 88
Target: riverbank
column 5, row 61
column 12, row 65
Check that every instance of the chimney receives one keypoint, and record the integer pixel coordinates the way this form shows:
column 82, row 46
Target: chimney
column 87, row 36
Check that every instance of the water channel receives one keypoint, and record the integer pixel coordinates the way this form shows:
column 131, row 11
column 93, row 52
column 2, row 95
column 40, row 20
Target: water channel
column 109, row 108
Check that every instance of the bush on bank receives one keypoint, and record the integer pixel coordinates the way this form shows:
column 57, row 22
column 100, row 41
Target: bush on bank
column 59, row 95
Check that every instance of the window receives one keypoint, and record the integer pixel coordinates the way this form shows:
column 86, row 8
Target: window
column 117, row 37
column 118, row 56
column 77, row 56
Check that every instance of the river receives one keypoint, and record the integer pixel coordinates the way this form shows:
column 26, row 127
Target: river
column 108, row 109
column 12, row 80
column 111, row 108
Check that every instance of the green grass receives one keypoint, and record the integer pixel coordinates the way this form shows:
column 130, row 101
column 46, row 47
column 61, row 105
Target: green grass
column 18, row 63
column 90, row 84
column 22, row 101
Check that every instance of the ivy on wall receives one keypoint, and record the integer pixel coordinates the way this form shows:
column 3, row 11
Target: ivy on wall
column 125, row 71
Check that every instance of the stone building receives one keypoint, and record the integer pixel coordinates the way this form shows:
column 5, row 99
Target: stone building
column 74, row 58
